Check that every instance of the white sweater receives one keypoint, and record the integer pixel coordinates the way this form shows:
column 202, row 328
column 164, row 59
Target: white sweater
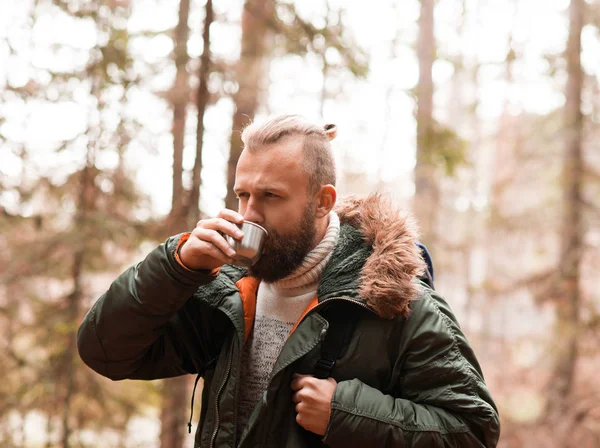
column 278, row 306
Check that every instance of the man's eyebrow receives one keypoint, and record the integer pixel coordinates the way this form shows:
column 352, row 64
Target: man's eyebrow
column 272, row 188
column 263, row 188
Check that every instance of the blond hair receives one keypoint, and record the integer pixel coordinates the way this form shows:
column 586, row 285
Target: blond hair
column 318, row 159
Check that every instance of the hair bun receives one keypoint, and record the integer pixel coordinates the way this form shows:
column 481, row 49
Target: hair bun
column 330, row 131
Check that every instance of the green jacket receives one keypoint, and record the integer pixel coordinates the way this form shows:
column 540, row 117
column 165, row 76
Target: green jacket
column 407, row 381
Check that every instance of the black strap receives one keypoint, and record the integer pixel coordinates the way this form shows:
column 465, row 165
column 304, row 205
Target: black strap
column 339, row 333
column 342, row 318
column 192, row 405
column 428, row 275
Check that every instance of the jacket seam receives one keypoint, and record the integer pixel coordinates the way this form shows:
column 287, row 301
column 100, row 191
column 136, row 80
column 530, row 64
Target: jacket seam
column 421, row 428
column 460, row 358
column 445, row 359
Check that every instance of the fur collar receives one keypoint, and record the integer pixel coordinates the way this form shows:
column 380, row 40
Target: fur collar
column 375, row 260
column 387, row 277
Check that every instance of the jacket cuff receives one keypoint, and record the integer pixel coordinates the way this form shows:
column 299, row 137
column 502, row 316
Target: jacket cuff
column 186, row 275
column 182, row 240
column 184, row 237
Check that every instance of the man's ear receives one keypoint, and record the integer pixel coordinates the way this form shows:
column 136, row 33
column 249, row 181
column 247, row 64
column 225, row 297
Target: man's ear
column 326, row 197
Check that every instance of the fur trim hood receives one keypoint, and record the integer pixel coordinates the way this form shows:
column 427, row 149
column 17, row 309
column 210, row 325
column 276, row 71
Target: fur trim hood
column 387, row 279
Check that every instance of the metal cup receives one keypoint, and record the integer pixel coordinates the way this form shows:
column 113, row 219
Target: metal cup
column 248, row 249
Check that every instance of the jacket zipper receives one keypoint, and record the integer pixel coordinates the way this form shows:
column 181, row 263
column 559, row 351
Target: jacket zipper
column 346, row 299
column 225, row 377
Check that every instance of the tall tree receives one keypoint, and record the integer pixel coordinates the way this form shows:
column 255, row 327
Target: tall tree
column 202, row 101
column 185, row 210
column 325, row 70
column 427, row 195
column 179, row 99
column 85, row 205
column 569, row 300
column 250, row 72
column 65, row 229
column 175, row 390
column 296, row 36
column 172, row 416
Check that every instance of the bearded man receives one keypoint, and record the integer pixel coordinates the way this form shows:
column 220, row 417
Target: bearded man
column 407, row 376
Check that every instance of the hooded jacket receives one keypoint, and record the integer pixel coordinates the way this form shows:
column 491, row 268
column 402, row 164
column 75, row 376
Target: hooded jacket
column 407, row 379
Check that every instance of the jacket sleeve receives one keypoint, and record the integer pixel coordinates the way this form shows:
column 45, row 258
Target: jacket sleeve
column 130, row 332
column 442, row 400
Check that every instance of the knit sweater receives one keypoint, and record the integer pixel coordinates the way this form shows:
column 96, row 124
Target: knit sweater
column 278, row 306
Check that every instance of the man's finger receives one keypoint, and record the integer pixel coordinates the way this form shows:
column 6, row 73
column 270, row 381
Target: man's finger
column 223, row 226
column 214, row 238
column 231, row 215
column 216, row 253
column 299, row 381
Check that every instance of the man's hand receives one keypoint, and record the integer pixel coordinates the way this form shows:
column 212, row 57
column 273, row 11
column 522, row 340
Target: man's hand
column 313, row 402
column 206, row 248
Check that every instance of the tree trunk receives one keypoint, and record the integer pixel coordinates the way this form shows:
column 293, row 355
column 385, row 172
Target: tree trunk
column 503, row 154
column 568, row 305
column 73, row 311
column 179, row 99
column 250, row 72
column 87, row 198
column 49, row 425
column 175, row 390
column 173, row 412
column 463, row 118
column 325, row 65
column 202, row 99
column 427, row 195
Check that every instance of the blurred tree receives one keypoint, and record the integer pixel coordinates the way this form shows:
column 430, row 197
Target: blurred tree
column 249, row 72
column 185, row 208
column 439, row 148
column 568, row 303
column 263, row 20
column 179, row 97
column 174, row 391
column 427, row 195
column 326, row 65
column 68, row 226
column 202, row 102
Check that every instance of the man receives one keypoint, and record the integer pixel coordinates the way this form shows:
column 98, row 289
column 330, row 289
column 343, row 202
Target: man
column 406, row 377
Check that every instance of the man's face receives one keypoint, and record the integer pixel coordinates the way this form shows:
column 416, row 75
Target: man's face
column 272, row 187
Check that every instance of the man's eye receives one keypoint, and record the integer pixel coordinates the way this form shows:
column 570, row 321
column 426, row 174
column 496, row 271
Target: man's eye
column 242, row 195
column 271, row 195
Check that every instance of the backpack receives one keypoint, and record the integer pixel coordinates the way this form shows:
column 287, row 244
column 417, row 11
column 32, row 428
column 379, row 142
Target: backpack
column 336, row 341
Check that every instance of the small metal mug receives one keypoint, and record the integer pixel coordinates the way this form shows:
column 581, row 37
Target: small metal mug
column 248, row 249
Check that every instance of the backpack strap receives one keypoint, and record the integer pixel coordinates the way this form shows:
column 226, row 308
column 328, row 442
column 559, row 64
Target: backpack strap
column 337, row 339
column 342, row 321
column 428, row 275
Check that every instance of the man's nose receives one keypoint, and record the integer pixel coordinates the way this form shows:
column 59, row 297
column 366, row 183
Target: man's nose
column 253, row 213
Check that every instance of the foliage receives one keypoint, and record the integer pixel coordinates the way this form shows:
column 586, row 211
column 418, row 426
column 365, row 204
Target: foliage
column 65, row 228
column 444, row 149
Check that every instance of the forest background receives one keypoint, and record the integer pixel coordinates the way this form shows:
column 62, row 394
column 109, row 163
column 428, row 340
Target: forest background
column 120, row 124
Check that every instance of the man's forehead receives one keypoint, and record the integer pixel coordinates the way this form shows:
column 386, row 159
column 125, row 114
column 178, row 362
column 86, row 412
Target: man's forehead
column 278, row 163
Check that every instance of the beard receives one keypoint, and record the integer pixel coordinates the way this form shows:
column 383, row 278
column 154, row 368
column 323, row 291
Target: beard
column 285, row 252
